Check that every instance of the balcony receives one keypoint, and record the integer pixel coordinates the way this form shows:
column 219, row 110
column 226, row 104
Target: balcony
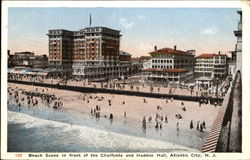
column 238, row 33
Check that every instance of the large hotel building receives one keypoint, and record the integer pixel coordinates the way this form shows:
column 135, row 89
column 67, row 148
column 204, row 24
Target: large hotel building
column 171, row 65
column 211, row 65
column 92, row 53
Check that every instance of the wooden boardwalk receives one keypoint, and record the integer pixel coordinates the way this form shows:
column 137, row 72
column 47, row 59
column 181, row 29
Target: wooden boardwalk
column 214, row 134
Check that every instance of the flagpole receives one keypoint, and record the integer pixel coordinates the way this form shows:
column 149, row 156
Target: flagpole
column 90, row 20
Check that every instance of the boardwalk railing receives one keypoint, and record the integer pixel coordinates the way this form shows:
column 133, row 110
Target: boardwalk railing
column 214, row 134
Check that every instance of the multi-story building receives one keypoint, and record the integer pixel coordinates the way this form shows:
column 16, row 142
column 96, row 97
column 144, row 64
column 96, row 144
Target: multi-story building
column 238, row 48
column 143, row 62
column 60, row 50
column 92, row 53
column 211, row 65
column 96, row 53
column 41, row 61
column 171, row 65
column 27, row 59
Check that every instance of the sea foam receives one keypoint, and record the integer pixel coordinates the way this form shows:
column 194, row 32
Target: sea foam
column 97, row 138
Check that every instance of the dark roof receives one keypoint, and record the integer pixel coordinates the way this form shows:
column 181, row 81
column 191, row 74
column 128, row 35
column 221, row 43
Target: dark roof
column 124, row 53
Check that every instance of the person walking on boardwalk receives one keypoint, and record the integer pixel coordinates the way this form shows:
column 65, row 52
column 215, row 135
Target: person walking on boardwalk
column 191, row 124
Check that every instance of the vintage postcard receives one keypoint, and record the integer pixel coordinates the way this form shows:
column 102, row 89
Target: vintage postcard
column 125, row 80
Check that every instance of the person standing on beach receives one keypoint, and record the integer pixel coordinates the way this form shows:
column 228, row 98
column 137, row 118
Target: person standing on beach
column 177, row 127
column 144, row 124
column 201, row 127
column 191, row 124
column 125, row 115
column 166, row 119
column 198, row 124
column 160, row 125
column 149, row 119
column 204, row 124
column 157, row 124
column 111, row 116
column 109, row 102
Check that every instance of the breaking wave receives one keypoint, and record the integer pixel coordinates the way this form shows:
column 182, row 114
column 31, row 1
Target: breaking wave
column 28, row 133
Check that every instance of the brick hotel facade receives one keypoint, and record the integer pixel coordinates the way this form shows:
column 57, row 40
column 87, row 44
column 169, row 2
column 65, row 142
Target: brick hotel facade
column 91, row 53
column 171, row 65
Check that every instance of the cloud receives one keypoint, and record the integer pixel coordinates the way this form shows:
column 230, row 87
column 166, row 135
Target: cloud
column 141, row 17
column 208, row 31
column 125, row 23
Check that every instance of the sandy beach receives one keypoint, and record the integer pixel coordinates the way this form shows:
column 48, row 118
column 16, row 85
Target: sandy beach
column 135, row 107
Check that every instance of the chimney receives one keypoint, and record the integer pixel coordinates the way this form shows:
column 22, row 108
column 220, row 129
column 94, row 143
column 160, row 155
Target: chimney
column 155, row 48
column 219, row 52
column 175, row 47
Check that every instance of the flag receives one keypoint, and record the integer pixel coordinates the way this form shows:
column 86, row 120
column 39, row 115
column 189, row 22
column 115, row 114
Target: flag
column 90, row 20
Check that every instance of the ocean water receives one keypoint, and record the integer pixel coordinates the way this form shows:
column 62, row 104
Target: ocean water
column 42, row 129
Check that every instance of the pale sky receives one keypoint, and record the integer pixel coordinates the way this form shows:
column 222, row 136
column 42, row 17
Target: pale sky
column 206, row 30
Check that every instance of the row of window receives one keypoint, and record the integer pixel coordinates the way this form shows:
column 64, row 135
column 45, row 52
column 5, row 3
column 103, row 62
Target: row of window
column 162, row 56
column 204, row 69
column 161, row 67
column 211, row 62
column 93, row 29
column 210, row 59
column 161, row 61
column 204, row 65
